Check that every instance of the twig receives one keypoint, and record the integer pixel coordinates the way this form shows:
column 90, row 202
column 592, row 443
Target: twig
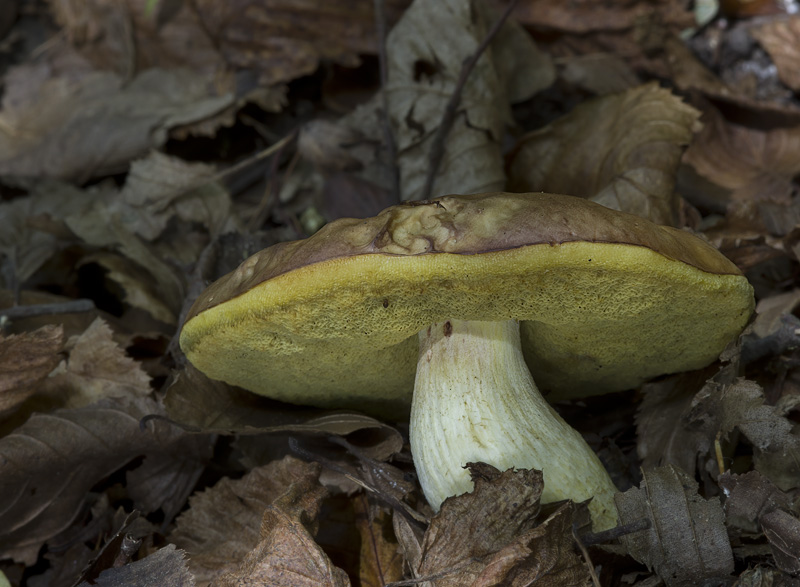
column 329, row 464
column 586, row 558
column 388, row 135
column 437, row 146
column 591, row 538
column 73, row 306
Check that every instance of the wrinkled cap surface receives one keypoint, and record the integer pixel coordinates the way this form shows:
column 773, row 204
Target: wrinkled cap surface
column 607, row 300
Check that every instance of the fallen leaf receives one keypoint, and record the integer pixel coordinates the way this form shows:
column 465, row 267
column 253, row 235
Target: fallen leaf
column 159, row 187
column 48, row 465
column 749, row 496
column 544, row 556
column 166, row 567
column 223, row 523
column 621, row 151
column 783, row 532
column 471, row 528
column 26, row 247
column 96, row 368
column 198, row 403
column 286, row 554
column 25, row 360
column 95, row 125
column 273, row 41
column 779, row 38
column 381, row 561
column 686, row 542
column 426, row 51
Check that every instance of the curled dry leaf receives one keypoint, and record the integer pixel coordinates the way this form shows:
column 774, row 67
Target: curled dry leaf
column 95, row 125
column 198, row 403
column 779, row 38
column 426, row 51
column 48, row 465
column 222, row 524
column 160, row 187
column 166, row 567
column 380, row 561
column 748, row 497
column 471, row 528
column 286, row 555
column 274, row 40
column 25, row 360
column 96, row 368
column 26, row 247
column 621, row 151
column 754, row 168
column 783, row 532
column 686, row 542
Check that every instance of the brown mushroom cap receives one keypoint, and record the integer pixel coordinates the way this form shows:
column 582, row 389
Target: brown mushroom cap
column 607, row 300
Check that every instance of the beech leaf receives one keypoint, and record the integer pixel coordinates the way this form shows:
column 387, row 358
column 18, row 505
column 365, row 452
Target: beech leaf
column 25, row 360
column 686, row 542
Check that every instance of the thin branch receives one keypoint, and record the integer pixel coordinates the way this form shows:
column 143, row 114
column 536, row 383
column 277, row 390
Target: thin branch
column 449, row 117
column 73, row 306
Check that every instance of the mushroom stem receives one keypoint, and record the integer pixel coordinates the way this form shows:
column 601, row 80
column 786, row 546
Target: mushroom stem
column 475, row 400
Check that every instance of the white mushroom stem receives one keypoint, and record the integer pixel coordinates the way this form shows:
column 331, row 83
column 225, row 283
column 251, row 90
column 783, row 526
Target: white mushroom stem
column 475, row 400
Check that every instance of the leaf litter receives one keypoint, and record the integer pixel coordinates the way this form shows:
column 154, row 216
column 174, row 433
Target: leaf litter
column 149, row 147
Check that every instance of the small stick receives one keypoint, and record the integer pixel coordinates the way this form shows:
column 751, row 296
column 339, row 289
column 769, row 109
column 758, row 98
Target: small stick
column 17, row 312
column 449, row 117
column 592, row 538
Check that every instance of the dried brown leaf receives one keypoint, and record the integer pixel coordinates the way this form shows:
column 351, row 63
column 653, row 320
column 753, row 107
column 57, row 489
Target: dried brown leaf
column 25, row 360
column 748, row 497
column 779, row 38
column 200, row 404
column 160, row 187
column 273, row 41
column 222, row 524
column 286, row 554
column 621, row 150
column 95, row 125
column 166, row 568
column 783, row 532
column 49, row 463
column 426, row 51
column 754, row 167
column 96, row 368
column 544, row 556
column 471, row 528
column 599, row 73
column 381, row 561
column 686, row 542
column 27, row 247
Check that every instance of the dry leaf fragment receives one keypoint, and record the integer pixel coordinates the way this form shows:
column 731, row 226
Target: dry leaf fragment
column 25, row 360
column 783, row 532
column 748, row 497
column 471, row 528
column 381, row 561
column 779, row 38
column 686, row 542
column 96, row 368
column 620, row 150
column 95, row 125
column 544, row 556
column 166, row 568
column 222, row 524
column 48, row 465
column 286, row 555
column 201, row 404
column 426, row 51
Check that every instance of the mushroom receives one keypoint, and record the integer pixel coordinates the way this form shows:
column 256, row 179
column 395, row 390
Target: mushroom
column 457, row 298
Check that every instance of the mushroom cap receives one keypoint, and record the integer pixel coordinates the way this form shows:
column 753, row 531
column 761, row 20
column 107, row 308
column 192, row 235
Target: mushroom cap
column 606, row 299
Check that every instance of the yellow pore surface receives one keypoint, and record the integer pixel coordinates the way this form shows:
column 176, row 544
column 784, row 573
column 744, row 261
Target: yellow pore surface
column 597, row 317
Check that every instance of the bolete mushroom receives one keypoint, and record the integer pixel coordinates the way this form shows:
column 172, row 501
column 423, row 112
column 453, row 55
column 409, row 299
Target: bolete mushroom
column 456, row 298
